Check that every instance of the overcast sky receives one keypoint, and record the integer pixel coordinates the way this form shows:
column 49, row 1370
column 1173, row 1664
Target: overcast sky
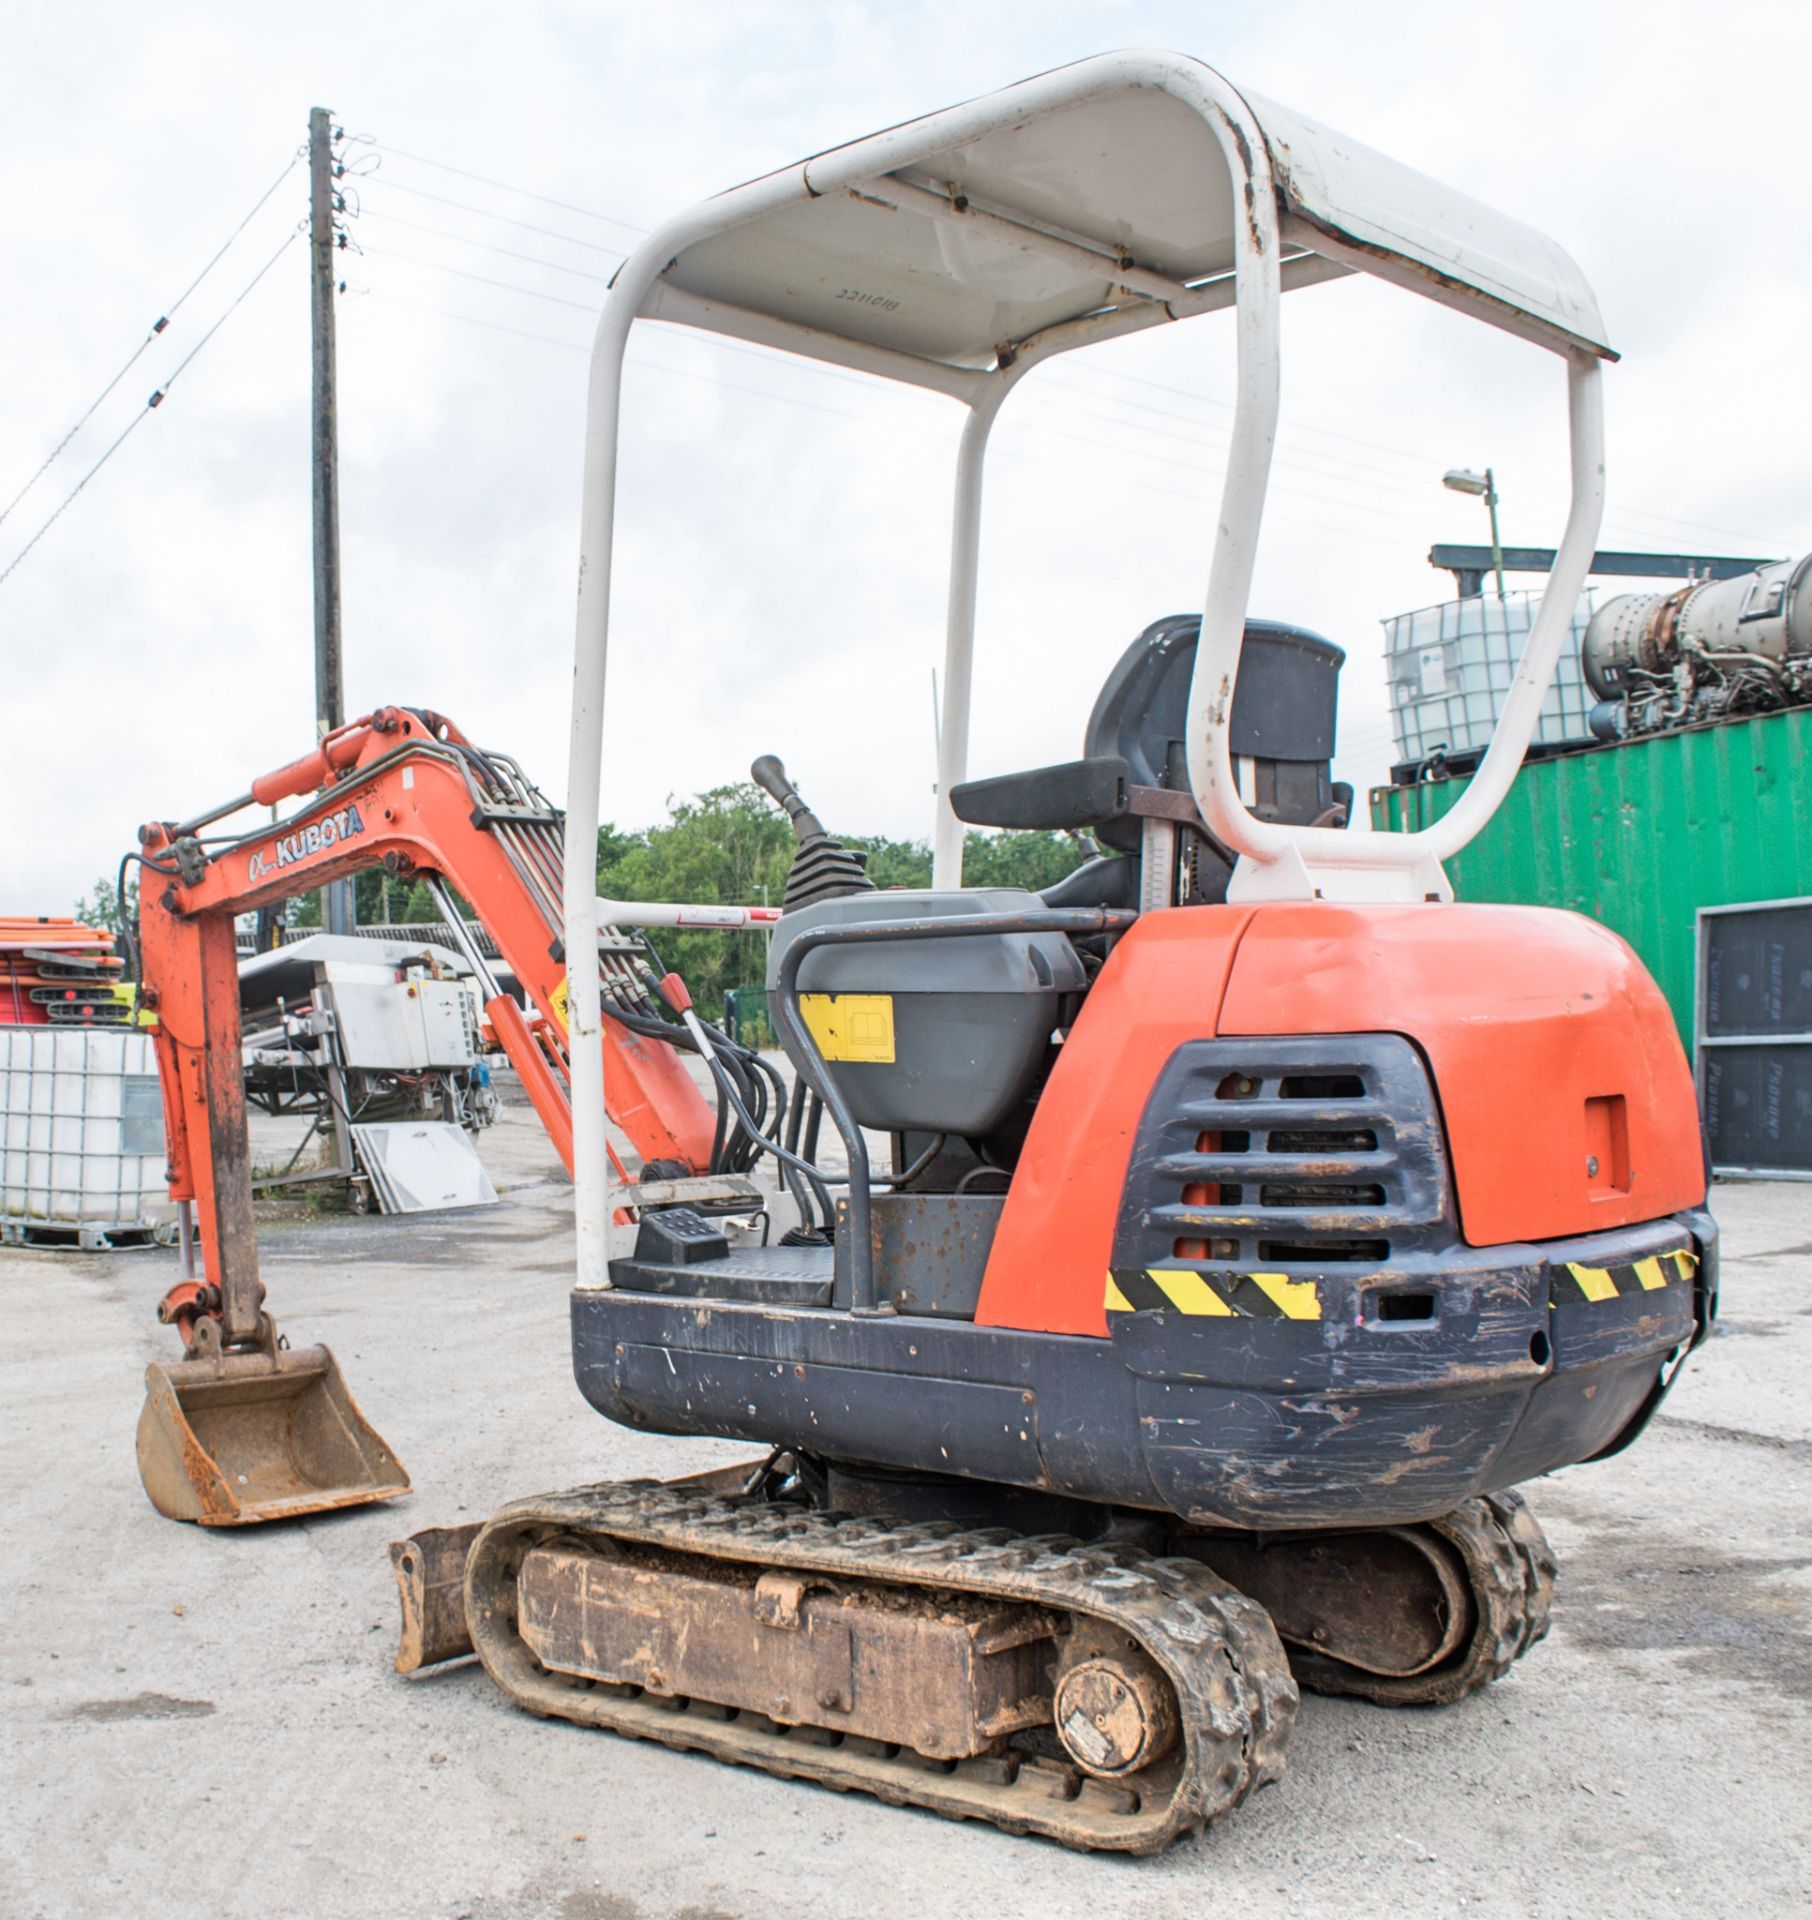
column 782, row 527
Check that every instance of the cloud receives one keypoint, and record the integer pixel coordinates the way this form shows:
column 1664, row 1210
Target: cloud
column 783, row 528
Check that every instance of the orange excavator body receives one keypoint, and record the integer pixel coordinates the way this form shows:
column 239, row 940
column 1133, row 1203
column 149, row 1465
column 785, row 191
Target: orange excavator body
column 1565, row 1096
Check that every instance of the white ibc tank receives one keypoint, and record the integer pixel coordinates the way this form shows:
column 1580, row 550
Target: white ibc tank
column 81, row 1133
column 1450, row 667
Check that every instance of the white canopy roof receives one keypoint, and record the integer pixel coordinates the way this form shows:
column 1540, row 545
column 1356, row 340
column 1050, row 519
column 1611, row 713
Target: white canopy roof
column 1096, row 205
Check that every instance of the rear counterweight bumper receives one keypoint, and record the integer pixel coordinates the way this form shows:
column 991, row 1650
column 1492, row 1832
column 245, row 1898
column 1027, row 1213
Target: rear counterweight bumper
column 1534, row 1358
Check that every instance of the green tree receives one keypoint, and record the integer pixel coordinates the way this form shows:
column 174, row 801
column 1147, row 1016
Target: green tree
column 104, row 907
column 727, row 847
column 1013, row 859
column 1030, row 859
column 894, row 863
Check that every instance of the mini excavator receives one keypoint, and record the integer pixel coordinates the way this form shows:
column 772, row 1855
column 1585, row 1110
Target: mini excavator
column 1254, row 1218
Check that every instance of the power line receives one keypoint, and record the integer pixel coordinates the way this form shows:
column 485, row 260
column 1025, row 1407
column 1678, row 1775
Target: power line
column 1628, row 516
column 1206, row 427
column 157, row 327
column 528, row 193
column 465, row 240
column 1171, row 494
column 483, row 279
column 535, row 293
column 1334, row 468
column 156, row 400
column 484, row 213
column 1378, row 479
column 490, row 326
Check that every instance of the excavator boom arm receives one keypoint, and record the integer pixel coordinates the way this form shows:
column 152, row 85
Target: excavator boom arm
column 405, row 790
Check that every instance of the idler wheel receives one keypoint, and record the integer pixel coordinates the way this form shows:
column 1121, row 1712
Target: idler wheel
column 1116, row 1713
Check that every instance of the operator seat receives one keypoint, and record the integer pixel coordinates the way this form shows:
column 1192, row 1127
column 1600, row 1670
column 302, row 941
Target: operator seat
column 1131, row 787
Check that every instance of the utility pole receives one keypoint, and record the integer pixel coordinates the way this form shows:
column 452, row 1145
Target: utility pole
column 330, row 693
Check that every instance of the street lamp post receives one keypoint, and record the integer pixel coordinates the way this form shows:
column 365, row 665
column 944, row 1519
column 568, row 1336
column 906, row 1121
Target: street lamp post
column 1481, row 485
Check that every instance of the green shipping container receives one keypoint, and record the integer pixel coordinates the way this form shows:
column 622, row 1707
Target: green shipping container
column 1641, row 836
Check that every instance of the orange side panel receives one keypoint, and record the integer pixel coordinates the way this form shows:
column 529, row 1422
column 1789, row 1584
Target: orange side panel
column 1161, row 988
column 1552, row 1049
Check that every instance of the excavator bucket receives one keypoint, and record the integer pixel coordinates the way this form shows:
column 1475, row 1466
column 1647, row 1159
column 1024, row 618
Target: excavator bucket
column 234, row 1439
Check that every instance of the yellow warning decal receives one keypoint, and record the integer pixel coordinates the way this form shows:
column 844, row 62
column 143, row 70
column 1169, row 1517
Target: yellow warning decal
column 1594, row 1282
column 1296, row 1299
column 857, row 1027
column 1189, row 1292
column 1217, row 1296
column 559, row 997
column 1648, row 1275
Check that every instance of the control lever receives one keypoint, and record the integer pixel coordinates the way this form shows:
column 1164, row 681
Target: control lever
column 823, row 868
column 770, row 776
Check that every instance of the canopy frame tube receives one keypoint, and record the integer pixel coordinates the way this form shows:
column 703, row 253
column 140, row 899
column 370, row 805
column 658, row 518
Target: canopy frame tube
column 1274, row 860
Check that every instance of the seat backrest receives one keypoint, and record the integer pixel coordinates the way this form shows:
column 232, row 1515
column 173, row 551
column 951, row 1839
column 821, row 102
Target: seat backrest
column 1284, row 708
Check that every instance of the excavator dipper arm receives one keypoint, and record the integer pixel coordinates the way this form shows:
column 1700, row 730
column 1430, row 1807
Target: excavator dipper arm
column 242, row 1428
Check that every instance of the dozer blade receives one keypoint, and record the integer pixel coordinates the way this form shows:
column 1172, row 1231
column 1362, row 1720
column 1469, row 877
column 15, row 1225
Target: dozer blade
column 430, row 1569
column 235, row 1439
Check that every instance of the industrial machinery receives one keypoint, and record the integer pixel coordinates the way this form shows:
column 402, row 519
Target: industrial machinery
column 1711, row 650
column 245, row 1428
column 1256, row 1218
column 377, row 1042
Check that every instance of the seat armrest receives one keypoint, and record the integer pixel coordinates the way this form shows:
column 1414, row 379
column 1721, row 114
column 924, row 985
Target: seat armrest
column 1077, row 793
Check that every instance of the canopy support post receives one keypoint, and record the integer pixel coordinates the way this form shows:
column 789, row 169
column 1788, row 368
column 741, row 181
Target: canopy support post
column 959, row 627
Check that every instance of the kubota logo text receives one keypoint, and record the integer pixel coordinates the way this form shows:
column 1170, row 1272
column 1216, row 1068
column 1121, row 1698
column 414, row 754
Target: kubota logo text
column 315, row 838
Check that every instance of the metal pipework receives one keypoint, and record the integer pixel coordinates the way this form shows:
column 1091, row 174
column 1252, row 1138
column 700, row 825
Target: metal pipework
column 1766, row 615
column 442, row 895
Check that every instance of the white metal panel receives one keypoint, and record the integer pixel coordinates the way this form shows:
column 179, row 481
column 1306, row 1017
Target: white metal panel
column 396, row 1026
column 378, row 1025
column 417, row 1166
column 449, row 1030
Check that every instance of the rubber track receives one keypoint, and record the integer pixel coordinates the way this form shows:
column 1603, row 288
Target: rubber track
column 1217, row 1647
column 1510, row 1569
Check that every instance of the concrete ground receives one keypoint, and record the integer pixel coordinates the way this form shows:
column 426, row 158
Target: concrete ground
column 206, row 1723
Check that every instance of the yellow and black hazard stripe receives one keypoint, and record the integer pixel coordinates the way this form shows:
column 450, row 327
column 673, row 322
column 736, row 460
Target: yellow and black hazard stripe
column 1225, row 1296
column 1574, row 1281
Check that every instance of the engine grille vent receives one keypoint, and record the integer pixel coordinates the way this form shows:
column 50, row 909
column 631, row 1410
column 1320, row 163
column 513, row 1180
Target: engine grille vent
column 1282, row 1154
